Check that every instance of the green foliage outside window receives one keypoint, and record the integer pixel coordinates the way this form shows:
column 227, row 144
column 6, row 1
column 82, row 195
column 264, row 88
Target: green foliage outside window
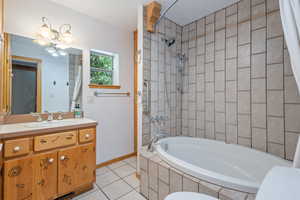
column 101, row 69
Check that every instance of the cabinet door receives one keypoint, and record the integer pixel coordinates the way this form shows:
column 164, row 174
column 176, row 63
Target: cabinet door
column 45, row 176
column 76, row 168
column 87, row 166
column 18, row 179
column 68, row 162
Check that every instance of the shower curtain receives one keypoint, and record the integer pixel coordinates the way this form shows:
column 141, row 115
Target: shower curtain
column 290, row 17
column 77, row 88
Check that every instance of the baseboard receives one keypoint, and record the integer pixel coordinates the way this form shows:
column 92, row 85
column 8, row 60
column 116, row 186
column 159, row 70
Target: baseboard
column 116, row 160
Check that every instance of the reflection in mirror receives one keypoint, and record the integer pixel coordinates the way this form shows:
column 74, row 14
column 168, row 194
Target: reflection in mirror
column 44, row 78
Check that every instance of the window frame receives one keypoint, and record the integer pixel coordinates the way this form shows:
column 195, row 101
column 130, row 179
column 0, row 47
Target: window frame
column 114, row 70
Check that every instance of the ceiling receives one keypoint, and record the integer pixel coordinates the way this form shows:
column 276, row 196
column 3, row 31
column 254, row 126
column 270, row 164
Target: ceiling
column 123, row 13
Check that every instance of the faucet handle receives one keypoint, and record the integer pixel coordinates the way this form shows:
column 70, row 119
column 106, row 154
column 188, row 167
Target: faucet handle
column 38, row 115
column 50, row 117
column 60, row 117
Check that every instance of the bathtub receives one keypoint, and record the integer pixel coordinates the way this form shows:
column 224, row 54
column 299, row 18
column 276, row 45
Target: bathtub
column 227, row 165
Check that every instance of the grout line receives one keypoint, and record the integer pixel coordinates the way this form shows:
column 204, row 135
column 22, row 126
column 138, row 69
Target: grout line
column 237, row 77
column 250, row 75
column 214, row 65
column 266, row 81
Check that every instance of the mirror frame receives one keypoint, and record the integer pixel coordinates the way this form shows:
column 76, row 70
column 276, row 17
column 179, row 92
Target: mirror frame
column 5, row 85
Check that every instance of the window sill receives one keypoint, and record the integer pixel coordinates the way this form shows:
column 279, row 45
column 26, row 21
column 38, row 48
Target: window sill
column 104, row 86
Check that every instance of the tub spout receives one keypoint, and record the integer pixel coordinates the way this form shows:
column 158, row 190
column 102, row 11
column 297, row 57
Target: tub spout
column 154, row 140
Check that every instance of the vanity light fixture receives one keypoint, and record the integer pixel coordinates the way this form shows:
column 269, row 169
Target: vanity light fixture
column 55, row 40
column 55, row 51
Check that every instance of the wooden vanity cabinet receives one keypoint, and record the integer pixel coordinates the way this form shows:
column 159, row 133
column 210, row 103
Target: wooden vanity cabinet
column 18, row 179
column 45, row 176
column 76, row 167
column 52, row 173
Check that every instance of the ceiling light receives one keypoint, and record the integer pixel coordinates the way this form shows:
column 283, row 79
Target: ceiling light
column 41, row 42
column 51, row 50
column 62, row 53
column 55, row 54
column 66, row 35
column 45, row 31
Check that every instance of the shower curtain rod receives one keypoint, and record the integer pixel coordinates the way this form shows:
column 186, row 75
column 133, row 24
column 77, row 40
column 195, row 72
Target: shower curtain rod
column 165, row 12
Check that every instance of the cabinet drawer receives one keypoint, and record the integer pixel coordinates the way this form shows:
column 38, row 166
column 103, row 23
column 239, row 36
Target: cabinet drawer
column 17, row 147
column 86, row 135
column 52, row 141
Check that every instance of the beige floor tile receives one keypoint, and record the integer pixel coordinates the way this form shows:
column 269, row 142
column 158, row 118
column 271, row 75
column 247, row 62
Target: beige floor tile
column 95, row 195
column 106, row 179
column 132, row 196
column 132, row 180
column 102, row 170
column 117, row 189
column 117, row 165
column 124, row 170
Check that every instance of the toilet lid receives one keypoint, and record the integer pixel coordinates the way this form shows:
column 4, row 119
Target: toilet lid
column 188, row 196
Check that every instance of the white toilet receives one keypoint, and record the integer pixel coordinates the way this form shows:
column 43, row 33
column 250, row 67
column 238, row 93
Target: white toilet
column 280, row 183
column 188, row 196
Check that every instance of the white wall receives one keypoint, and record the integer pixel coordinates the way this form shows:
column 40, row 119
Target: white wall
column 54, row 97
column 115, row 115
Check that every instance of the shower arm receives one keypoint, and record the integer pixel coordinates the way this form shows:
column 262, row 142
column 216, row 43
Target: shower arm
column 165, row 12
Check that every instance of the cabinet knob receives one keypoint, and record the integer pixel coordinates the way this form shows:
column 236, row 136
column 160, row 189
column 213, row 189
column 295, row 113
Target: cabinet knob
column 62, row 157
column 17, row 149
column 87, row 136
column 50, row 160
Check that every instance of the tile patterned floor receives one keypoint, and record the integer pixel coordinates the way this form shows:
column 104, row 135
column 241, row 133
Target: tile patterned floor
column 115, row 182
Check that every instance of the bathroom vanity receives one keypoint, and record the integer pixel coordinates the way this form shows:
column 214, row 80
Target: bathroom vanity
column 47, row 160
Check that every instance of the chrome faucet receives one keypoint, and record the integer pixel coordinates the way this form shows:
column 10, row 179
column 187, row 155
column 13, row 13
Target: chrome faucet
column 158, row 120
column 50, row 116
column 38, row 115
column 154, row 140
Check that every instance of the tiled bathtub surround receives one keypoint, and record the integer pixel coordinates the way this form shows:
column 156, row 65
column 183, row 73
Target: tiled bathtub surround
column 238, row 82
column 160, row 70
column 158, row 180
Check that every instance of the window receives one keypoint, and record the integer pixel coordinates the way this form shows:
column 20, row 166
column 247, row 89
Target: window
column 104, row 69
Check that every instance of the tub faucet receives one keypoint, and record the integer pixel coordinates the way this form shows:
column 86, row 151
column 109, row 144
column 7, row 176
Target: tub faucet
column 154, row 140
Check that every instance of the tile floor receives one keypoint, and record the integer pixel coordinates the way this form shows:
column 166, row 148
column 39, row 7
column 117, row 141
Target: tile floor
column 115, row 182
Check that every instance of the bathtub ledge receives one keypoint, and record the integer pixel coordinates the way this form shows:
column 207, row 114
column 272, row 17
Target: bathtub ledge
column 156, row 173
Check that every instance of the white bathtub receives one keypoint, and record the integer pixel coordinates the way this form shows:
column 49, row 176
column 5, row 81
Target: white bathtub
column 228, row 165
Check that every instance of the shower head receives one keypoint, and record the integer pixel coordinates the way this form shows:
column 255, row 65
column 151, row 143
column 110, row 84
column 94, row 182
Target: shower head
column 169, row 41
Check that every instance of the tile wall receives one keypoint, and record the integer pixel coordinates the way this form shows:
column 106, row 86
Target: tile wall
column 160, row 71
column 238, row 85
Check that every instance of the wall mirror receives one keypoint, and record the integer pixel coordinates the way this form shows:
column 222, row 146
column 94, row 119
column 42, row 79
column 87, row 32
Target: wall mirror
column 40, row 78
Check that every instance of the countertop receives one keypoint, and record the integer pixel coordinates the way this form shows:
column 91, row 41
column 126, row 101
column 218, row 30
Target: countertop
column 33, row 128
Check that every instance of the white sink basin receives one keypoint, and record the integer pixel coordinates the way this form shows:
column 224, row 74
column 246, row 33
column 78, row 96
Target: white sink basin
column 49, row 124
